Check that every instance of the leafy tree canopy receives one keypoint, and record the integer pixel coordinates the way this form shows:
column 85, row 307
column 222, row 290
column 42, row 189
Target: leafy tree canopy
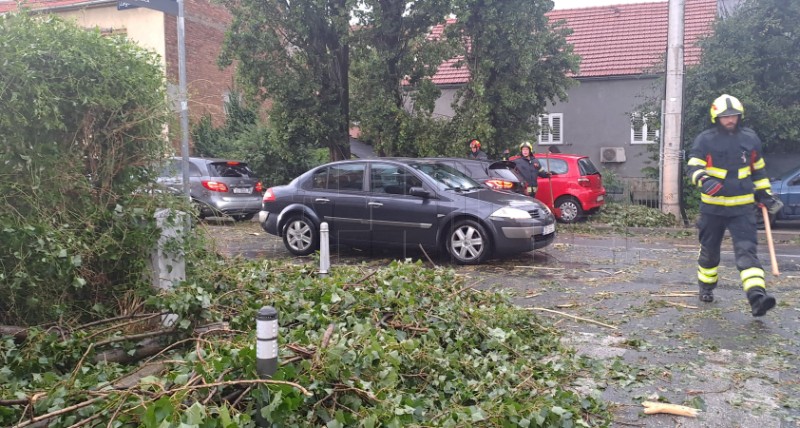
column 296, row 54
column 391, row 50
column 519, row 63
column 753, row 55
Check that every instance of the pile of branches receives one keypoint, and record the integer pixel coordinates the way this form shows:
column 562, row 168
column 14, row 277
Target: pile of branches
column 400, row 345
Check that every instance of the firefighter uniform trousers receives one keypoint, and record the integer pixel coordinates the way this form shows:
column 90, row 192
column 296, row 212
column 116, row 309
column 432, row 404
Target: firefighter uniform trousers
column 743, row 231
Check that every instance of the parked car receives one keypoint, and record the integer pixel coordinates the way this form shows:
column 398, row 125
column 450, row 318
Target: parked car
column 497, row 175
column 218, row 187
column 404, row 203
column 787, row 188
column 575, row 188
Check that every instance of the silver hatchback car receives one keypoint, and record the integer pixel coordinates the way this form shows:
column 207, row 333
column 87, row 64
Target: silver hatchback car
column 219, row 187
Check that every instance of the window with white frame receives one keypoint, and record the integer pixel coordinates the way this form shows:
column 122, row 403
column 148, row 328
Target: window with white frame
column 551, row 128
column 644, row 128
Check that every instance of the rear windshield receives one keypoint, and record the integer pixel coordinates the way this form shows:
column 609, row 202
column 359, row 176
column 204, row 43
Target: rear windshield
column 229, row 169
column 587, row 167
column 505, row 174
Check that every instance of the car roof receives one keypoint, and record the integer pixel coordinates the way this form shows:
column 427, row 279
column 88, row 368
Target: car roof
column 560, row 155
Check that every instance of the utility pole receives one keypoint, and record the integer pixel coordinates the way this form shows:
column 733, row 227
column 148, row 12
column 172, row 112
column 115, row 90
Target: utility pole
column 671, row 158
column 183, row 99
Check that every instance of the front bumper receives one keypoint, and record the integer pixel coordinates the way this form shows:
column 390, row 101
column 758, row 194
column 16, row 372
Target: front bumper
column 519, row 236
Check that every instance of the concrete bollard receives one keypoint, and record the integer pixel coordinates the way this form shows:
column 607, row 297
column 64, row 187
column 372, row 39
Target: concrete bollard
column 167, row 260
column 324, row 249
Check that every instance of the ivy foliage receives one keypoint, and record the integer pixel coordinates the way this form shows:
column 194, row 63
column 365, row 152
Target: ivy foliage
column 401, row 345
column 81, row 126
column 519, row 63
column 754, row 55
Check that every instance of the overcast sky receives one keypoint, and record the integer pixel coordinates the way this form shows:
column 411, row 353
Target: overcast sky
column 571, row 4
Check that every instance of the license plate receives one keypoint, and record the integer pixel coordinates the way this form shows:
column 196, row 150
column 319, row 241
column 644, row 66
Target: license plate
column 242, row 190
column 601, row 198
column 548, row 229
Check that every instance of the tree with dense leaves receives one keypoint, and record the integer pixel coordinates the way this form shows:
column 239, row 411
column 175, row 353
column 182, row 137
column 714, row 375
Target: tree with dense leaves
column 754, row 55
column 392, row 53
column 296, row 54
column 518, row 62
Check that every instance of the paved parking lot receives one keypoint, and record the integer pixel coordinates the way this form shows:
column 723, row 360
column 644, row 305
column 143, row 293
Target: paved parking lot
column 640, row 317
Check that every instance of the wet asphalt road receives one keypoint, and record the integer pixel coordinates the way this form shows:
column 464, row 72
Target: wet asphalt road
column 652, row 338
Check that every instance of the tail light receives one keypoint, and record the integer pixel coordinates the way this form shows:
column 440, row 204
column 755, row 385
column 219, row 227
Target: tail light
column 259, row 187
column 500, row 184
column 584, row 182
column 268, row 196
column 215, row 186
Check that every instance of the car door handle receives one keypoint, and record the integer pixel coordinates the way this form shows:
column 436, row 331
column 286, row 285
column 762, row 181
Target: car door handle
column 375, row 204
column 322, row 200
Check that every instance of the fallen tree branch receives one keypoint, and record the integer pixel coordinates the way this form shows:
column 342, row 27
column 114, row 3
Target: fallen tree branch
column 428, row 257
column 19, row 333
column 136, row 336
column 241, row 382
column 574, row 317
column 59, row 412
column 680, row 305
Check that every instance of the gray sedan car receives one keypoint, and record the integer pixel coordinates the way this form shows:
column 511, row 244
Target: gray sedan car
column 218, row 187
column 405, row 203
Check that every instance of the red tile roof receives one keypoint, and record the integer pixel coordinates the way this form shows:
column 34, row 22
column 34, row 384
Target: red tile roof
column 617, row 40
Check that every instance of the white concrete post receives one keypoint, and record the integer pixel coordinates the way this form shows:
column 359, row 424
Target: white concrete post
column 324, row 249
column 167, row 260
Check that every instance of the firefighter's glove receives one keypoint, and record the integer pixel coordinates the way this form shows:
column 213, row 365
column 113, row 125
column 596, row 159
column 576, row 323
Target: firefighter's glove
column 772, row 203
column 711, row 186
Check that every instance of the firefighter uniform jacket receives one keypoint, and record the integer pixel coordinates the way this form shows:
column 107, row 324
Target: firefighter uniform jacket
column 530, row 169
column 734, row 159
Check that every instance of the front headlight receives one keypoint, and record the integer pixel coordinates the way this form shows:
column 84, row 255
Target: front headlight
column 509, row 212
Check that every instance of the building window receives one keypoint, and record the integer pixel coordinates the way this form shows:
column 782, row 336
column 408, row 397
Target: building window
column 644, row 128
column 552, row 127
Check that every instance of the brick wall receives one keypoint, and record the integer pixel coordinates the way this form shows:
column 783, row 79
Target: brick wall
column 207, row 85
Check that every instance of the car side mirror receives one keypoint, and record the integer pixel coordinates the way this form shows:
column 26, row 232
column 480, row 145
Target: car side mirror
column 419, row 191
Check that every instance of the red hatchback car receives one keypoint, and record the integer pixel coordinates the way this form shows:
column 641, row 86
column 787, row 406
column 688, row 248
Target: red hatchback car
column 575, row 188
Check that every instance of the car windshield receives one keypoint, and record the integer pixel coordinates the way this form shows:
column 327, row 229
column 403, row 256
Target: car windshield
column 446, row 176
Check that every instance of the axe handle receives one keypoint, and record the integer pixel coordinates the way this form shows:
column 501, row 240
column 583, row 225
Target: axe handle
column 770, row 244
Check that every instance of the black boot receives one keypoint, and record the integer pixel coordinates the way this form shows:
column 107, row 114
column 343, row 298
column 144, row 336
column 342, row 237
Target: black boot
column 760, row 301
column 707, row 292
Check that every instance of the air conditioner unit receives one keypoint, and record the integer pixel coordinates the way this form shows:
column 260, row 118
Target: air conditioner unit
column 612, row 154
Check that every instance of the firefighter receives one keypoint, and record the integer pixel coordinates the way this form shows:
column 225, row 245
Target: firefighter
column 529, row 167
column 475, row 151
column 725, row 162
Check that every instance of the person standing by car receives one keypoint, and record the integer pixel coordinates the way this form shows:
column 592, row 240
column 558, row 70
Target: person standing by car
column 529, row 167
column 725, row 162
column 475, row 151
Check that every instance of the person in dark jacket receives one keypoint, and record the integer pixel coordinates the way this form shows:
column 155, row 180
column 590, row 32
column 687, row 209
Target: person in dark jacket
column 725, row 162
column 529, row 167
column 475, row 151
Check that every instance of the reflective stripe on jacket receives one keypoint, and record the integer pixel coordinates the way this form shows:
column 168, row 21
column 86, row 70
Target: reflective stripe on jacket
column 735, row 160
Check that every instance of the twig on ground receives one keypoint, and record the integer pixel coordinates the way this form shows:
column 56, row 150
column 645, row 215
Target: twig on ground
column 680, row 305
column 575, row 317
column 428, row 257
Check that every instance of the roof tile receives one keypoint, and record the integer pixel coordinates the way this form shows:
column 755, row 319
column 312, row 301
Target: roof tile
column 617, row 40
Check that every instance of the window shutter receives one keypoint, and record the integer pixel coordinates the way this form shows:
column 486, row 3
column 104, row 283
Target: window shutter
column 556, row 129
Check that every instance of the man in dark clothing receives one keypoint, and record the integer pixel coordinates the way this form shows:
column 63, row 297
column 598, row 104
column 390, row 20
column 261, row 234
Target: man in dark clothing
column 725, row 162
column 529, row 167
column 475, row 151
